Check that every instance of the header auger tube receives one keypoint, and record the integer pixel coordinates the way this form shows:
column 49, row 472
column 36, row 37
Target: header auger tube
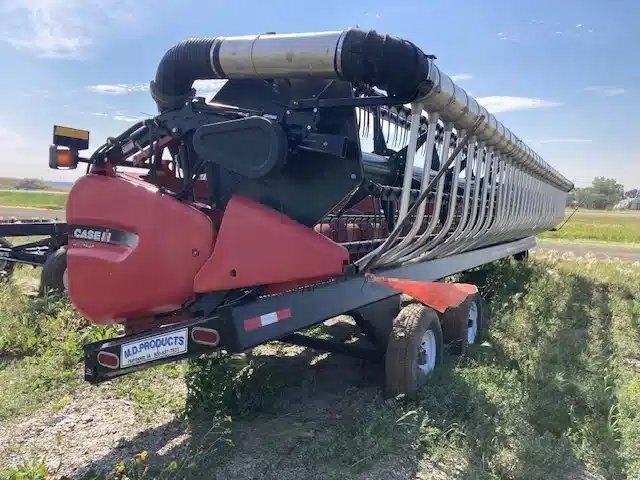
column 388, row 63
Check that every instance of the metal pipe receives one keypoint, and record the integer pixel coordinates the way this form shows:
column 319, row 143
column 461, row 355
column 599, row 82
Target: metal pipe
column 416, row 112
column 353, row 55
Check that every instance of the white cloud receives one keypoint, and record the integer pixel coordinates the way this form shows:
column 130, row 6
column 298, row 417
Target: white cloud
column 507, row 38
column 118, row 88
column 204, row 88
column 566, row 140
column 126, row 118
column 208, row 88
column 461, row 77
column 606, row 91
column 499, row 103
column 579, row 25
column 61, row 28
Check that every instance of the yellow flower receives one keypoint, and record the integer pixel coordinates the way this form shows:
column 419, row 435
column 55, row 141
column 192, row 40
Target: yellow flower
column 120, row 468
column 143, row 456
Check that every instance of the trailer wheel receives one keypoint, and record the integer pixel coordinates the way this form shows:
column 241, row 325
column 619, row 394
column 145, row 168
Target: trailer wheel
column 53, row 278
column 466, row 325
column 413, row 351
column 6, row 267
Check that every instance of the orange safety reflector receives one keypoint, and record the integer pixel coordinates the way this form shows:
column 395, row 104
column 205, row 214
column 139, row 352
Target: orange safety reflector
column 65, row 158
column 438, row 295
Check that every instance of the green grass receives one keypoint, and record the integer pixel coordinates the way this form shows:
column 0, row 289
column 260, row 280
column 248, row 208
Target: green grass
column 34, row 469
column 553, row 393
column 41, row 354
column 52, row 201
column 599, row 226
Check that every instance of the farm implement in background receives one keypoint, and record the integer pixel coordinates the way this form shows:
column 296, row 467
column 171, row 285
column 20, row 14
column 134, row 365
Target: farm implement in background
column 331, row 173
column 48, row 251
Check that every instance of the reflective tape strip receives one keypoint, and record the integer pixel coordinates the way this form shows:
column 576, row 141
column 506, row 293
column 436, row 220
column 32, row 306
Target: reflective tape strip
column 266, row 319
column 71, row 132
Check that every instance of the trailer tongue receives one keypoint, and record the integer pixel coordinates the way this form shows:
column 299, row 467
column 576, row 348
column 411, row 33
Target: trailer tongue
column 257, row 214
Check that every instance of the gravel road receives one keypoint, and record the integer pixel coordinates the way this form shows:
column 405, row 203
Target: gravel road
column 601, row 252
column 23, row 212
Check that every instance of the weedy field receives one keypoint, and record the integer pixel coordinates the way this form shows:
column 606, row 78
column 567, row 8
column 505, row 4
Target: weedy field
column 53, row 201
column 554, row 393
column 619, row 226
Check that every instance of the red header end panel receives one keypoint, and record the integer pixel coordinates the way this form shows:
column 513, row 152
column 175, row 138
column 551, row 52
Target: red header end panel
column 132, row 251
column 257, row 245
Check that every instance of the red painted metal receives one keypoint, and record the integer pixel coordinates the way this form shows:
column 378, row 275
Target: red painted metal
column 257, row 245
column 438, row 295
column 110, row 283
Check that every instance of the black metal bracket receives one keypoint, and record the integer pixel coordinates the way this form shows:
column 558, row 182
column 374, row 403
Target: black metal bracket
column 369, row 331
column 310, row 103
column 356, row 351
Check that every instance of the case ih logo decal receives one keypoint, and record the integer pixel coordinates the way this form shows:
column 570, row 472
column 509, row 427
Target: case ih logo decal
column 266, row 319
column 102, row 235
column 95, row 235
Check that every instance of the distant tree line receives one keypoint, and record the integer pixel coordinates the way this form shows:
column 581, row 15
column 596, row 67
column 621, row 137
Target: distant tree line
column 31, row 184
column 603, row 194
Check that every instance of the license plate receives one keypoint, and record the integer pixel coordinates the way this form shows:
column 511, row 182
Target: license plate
column 152, row 348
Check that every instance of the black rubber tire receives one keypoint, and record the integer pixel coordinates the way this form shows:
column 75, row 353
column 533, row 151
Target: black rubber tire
column 6, row 268
column 402, row 375
column 51, row 277
column 455, row 322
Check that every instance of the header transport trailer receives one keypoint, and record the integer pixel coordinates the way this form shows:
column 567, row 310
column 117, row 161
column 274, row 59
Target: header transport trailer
column 330, row 173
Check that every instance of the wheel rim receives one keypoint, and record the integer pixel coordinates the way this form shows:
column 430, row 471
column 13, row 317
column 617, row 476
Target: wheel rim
column 65, row 280
column 427, row 352
column 472, row 324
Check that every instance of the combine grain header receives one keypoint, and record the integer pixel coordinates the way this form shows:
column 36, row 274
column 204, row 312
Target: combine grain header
column 331, row 172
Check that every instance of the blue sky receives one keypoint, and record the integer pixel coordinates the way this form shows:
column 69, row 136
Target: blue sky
column 563, row 75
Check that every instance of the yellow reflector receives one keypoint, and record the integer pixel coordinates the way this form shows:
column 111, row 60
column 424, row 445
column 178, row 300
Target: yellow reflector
column 71, row 132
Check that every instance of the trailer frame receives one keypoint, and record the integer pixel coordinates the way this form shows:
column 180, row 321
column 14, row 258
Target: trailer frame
column 233, row 327
column 32, row 253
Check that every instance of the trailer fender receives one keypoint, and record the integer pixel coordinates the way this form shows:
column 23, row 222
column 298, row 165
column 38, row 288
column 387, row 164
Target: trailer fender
column 438, row 295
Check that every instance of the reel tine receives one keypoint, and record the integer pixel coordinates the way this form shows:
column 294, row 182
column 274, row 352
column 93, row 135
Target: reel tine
column 407, row 126
column 367, row 121
column 395, row 131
